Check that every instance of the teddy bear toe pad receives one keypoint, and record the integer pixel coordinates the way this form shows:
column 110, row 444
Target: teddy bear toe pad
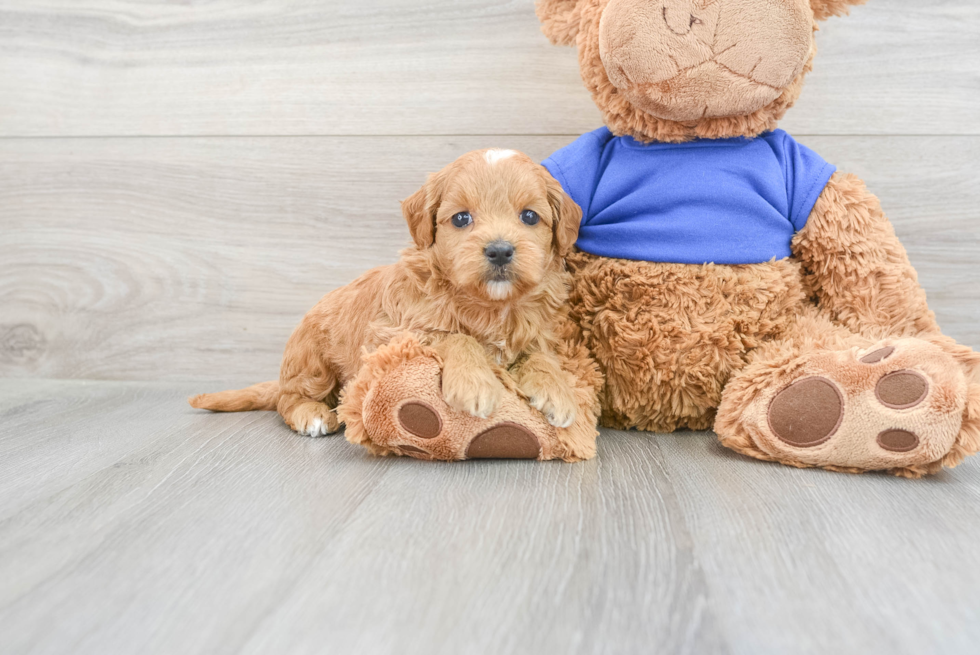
column 898, row 441
column 894, row 406
column 878, row 355
column 902, row 389
column 421, row 419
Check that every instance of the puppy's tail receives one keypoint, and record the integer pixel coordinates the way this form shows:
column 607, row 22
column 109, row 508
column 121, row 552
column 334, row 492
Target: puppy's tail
column 263, row 395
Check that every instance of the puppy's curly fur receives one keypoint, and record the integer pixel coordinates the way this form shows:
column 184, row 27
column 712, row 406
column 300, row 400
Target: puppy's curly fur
column 480, row 317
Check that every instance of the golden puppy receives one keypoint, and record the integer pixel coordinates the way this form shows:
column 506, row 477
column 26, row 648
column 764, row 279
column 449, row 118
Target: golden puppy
column 482, row 285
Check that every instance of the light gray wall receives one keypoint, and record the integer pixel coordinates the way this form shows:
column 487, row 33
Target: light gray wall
column 180, row 183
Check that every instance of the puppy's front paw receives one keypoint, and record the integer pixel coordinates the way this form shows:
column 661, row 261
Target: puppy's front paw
column 476, row 392
column 552, row 398
column 314, row 419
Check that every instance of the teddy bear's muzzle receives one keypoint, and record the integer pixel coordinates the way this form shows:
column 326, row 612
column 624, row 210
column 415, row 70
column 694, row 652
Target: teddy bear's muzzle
column 685, row 60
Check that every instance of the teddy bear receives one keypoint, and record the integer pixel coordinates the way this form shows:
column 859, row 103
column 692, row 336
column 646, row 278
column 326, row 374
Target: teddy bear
column 725, row 276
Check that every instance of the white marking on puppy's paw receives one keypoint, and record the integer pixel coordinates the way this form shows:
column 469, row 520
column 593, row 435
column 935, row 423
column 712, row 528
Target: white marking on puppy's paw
column 559, row 421
column 566, row 423
column 484, row 408
column 316, row 428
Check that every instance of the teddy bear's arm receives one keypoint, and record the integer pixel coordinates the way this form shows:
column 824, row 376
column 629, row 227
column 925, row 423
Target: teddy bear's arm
column 856, row 267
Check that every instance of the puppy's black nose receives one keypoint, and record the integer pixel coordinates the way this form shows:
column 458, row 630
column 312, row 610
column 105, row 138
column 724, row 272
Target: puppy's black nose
column 499, row 252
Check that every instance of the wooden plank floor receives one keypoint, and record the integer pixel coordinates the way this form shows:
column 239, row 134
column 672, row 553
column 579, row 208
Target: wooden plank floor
column 130, row 523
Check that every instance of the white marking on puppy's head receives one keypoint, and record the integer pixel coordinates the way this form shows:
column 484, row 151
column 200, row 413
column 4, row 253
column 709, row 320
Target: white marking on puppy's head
column 493, row 155
column 499, row 289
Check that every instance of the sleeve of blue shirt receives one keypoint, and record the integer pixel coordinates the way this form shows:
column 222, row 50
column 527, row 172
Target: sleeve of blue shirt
column 806, row 175
column 576, row 166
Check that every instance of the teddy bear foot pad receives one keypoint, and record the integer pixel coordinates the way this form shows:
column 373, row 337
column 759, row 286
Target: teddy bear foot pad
column 894, row 405
column 506, row 440
column 403, row 412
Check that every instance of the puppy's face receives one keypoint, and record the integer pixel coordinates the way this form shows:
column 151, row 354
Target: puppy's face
column 495, row 222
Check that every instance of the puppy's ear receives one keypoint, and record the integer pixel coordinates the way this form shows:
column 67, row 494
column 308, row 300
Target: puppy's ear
column 824, row 9
column 420, row 210
column 560, row 19
column 566, row 217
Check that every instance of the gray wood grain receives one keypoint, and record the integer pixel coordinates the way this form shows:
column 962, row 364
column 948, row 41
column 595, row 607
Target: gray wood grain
column 131, row 523
column 195, row 258
column 890, row 555
column 111, row 67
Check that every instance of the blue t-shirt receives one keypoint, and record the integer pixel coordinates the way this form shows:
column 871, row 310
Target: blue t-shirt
column 722, row 201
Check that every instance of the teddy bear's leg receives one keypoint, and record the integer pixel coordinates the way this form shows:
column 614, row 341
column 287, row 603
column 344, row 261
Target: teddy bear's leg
column 827, row 397
column 395, row 406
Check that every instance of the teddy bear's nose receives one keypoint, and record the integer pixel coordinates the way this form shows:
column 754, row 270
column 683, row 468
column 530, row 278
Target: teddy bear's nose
column 681, row 15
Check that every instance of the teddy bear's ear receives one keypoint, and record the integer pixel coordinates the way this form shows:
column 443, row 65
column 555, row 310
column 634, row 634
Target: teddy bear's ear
column 824, row 9
column 560, row 19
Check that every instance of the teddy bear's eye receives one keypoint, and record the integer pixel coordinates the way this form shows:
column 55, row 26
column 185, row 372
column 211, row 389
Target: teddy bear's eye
column 462, row 219
column 529, row 217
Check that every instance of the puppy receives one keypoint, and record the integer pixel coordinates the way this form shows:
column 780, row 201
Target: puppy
column 482, row 285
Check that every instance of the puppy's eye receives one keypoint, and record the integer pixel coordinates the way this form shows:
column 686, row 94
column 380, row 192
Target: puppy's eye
column 529, row 217
column 462, row 219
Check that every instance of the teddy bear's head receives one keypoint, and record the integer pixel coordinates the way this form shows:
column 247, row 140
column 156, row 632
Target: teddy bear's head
column 674, row 70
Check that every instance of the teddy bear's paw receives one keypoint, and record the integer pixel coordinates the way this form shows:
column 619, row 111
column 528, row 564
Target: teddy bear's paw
column 502, row 440
column 897, row 404
column 405, row 413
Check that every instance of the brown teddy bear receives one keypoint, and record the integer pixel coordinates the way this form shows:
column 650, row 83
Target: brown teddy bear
column 726, row 276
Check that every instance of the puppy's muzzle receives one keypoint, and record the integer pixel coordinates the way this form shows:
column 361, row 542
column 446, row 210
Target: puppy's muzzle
column 499, row 253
